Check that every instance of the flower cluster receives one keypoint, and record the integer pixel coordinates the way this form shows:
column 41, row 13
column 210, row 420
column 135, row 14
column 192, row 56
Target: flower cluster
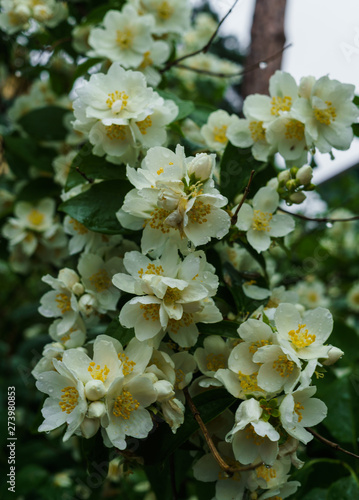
column 17, row 15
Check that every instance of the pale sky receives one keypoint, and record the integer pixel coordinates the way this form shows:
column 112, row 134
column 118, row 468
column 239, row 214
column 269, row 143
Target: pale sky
column 325, row 41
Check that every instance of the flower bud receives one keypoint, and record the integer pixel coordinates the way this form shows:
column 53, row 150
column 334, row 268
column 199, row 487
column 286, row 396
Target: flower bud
column 201, row 166
column 87, row 303
column 94, row 390
column 164, row 390
column 78, row 289
column 96, row 409
column 284, row 176
column 297, row 197
column 89, row 427
column 69, row 277
column 333, row 355
column 273, row 183
column 291, row 184
column 305, row 174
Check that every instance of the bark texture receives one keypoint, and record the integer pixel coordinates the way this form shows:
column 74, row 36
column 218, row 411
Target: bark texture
column 268, row 39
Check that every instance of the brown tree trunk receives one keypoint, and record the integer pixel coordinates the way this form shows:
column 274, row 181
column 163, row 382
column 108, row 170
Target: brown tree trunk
column 268, row 39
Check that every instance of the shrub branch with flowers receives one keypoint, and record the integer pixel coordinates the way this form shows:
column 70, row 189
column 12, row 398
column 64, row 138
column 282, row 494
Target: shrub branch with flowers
column 154, row 215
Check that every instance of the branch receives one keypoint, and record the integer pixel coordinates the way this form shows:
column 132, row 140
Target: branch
column 88, row 179
column 250, row 68
column 320, row 219
column 204, row 49
column 223, row 465
column 335, row 446
column 245, row 194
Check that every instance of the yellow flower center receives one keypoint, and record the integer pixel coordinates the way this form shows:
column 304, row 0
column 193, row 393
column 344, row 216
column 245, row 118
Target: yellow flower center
column 69, row 399
column 297, row 408
column 125, row 405
column 326, row 116
column 127, row 365
column 117, row 100
column 63, row 302
column 124, row 38
column 179, row 378
column 199, row 211
column 157, row 220
column 249, row 382
column 280, row 104
column 151, row 269
column 294, row 130
column 101, row 280
column 265, row 472
column 259, row 343
column 164, row 11
column 175, row 325
column 35, row 217
column 283, row 366
column 97, row 373
column 219, row 134
column 300, row 338
column 215, row 362
column 261, row 220
column 147, row 61
column 251, row 434
column 116, row 132
column 144, row 125
column 257, row 131
column 78, row 227
column 172, row 295
column 150, row 311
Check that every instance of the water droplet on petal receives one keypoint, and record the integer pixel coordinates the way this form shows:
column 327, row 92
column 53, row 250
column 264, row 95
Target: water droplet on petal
column 263, row 65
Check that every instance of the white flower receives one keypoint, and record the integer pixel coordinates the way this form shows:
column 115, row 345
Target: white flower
column 124, row 37
column 172, row 295
column 213, row 355
column 61, row 302
column 126, row 403
column 303, row 336
column 215, row 130
column 170, row 204
column 287, row 136
column 62, row 166
column 171, row 16
column 312, row 294
column 66, row 402
column 259, row 222
column 328, row 112
column 97, row 278
column 299, row 410
column 252, row 438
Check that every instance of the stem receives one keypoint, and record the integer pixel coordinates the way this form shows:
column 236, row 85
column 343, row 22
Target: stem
column 228, row 469
column 88, row 179
column 204, row 49
column 245, row 194
column 335, row 446
column 238, row 73
column 320, row 219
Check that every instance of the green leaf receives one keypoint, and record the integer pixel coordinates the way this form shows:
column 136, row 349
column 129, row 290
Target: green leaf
column 316, row 494
column 185, row 108
column 96, row 208
column 92, row 166
column 96, row 456
column 355, row 128
column 346, row 488
column 223, row 328
column 347, row 339
column 96, row 15
column 162, row 443
column 201, row 113
column 23, row 152
column 45, row 124
column 29, row 478
column 83, row 68
column 235, row 169
column 119, row 332
column 341, row 420
column 256, row 256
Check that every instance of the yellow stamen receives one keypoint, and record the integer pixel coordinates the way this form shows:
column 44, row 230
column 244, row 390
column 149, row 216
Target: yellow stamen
column 69, row 399
column 35, row 217
column 215, row 362
column 326, row 116
column 97, row 373
column 257, row 131
column 261, row 220
column 280, row 104
column 63, row 302
column 125, row 405
column 300, row 338
column 101, row 280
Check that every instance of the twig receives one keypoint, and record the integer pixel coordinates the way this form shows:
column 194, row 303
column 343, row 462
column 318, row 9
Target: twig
column 88, row 179
column 238, row 73
column 335, row 446
column 321, row 219
column 245, row 194
column 204, row 49
column 228, row 469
